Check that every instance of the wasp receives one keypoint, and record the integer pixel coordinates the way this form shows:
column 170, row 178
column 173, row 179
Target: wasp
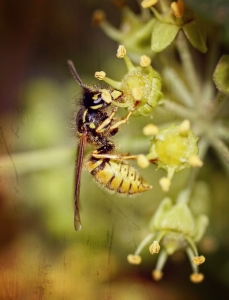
column 96, row 124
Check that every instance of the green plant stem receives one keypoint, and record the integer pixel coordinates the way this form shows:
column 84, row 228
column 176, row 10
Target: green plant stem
column 27, row 162
column 146, row 240
column 208, row 88
column 179, row 88
column 220, row 100
column 220, row 147
column 222, row 132
column 179, row 110
column 188, row 66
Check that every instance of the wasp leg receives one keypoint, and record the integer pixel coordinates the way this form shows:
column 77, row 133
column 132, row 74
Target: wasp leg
column 124, row 120
column 106, row 122
column 113, row 156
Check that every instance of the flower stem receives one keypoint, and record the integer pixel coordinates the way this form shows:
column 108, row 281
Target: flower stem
column 188, row 66
column 178, row 109
column 33, row 161
column 146, row 240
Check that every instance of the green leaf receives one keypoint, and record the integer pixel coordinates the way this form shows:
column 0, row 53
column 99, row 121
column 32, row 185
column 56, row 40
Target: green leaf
column 196, row 35
column 221, row 75
column 162, row 35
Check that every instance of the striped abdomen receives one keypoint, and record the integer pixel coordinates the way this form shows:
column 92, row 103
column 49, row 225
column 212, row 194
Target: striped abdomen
column 117, row 176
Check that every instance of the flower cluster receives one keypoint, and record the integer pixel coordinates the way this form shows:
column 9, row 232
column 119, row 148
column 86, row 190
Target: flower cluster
column 173, row 228
column 164, row 30
column 141, row 84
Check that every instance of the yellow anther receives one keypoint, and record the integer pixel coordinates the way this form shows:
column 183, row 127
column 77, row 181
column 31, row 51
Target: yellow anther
column 106, row 96
column 134, row 259
column 154, row 248
column 197, row 277
column 148, row 3
column 98, row 17
column 198, row 260
column 150, row 129
column 145, row 61
column 178, row 8
column 137, row 93
column 165, row 183
column 121, row 52
column 100, row 75
column 116, row 94
column 195, row 161
column 157, row 275
column 142, row 161
column 184, row 127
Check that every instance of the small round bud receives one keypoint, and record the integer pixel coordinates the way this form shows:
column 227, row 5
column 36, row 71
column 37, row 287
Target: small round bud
column 134, row 259
column 148, row 3
column 145, row 61
column 198, row 260
column 154, row 248
column 100, row 75
column 98, row 17
column 121, row 52
column 157, row 275
column 142, row 161
column 150, row 129
column 197, row 277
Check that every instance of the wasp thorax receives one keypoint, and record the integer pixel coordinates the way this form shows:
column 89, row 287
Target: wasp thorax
column 96, row 99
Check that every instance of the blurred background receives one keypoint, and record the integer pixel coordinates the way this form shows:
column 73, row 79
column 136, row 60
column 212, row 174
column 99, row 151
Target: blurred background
column 41, row 255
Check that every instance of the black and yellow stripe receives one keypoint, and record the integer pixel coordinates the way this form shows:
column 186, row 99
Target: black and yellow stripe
column 117, row 176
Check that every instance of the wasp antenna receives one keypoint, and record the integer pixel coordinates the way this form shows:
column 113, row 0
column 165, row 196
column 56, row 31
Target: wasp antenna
column 74, row 72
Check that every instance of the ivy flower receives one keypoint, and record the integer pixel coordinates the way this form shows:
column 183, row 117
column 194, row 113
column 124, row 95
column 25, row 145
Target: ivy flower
column 144, row 33
column 134, row 32
column 172, row 18
column 173, row 149
column 173, row 227
column 141, row 86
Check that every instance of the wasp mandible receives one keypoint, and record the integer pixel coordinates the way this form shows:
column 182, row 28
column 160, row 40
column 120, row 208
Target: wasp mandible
column 96, row 124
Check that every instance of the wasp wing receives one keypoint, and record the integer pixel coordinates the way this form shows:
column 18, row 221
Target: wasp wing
column 78, row 171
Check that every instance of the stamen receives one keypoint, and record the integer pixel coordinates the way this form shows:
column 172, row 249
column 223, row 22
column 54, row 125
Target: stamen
column 157, row 275
column 137, row 93
column 154, row 248
column 134, row 259
column 178, row 8
column 184, row 127
column 148, row 3
column 150, row 129
column 145, row 61
column 195, row 161
column 197, row 277
column 165, row 183
column 198, row 260
column 143, row 161
column 100, row 75
column 121, row 52
column 106, row 96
